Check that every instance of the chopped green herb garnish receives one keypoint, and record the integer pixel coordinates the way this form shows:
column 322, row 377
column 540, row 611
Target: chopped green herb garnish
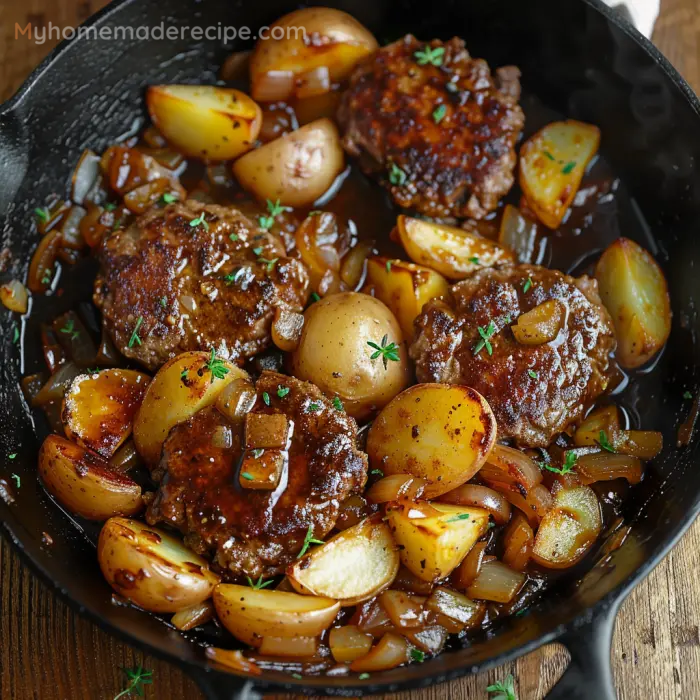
column 298, row 676
column 257, row 452
column 233, row 237
column 313, row 407
column 338, row 404
column 269, row 264
column 247, row 476
column 568, row 466
column 417, row 655
column 110, row 206
column 169, row 198
column 604, row 442
column 396, row 175
column 46, row 277
column 363, row 676
column 257, row 585
column 135, row 335
column 549, row 155
column 475, row 260
column 686, row 395
column 308, row 540
column 451, row 87
column 42, row 213
column 275, row 209
column 527, row 286
column 234, row 276
column 282, row 391
column 386, row 352
column 257, row 251
column 503, row 690
column 315, row 297
column 265, row 222
column 439, row 113
column 461, row 516
column 200, row 220
column 18, row 481
column 183, row 375
column 69, row 329
column 388, row 266
column 216, row 366
column 12, row 456
column 520, row 613
column 138, row 678
column 377, row 472
column 315, row 212
column 568, row 167
column 486, row 335
column 533, row 374
column 266, row 398
column 430, row 56
column 116, row 224
column 15, row 336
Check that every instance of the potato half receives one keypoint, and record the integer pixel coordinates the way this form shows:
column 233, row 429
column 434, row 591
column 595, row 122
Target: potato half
column 453, row 252
column 404, row 288
column 99, row 409
column 354, row 566
column 434, row 538
column 250, row 614
column 151, row 568
column 83, row 482
column 182, row 386
column 634, row 291
column 552, row 163
column 297, row 168
column 203, row 121
column 438, row 432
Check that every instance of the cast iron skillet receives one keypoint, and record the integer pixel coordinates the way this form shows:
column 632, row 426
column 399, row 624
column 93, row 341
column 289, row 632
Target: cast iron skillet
column 575, row 55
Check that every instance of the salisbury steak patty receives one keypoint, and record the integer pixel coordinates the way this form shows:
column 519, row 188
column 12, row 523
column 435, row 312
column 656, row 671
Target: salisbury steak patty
column 435, row 125
column 193, row 277
column 247, row 532
column 535, row 391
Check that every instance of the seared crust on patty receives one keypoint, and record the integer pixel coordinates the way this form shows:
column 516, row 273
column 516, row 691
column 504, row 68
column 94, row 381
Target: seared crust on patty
column 450, row 129
column 247, row 532
column 198, row 277
column 535, row 391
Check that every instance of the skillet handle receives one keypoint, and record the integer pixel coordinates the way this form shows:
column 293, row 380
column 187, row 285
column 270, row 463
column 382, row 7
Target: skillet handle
column 589, row 673
column 222, row 686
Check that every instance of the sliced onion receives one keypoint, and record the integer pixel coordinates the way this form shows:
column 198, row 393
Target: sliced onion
column 481, row 497
column 287, row 327
column 31, row 386
column 348, row 643
column 235, row 67
column 237, row 400
column 460, row 610
column 41, row 268
column 516, row 466
column 84, row 176
column 518, row 540
column 371, row 617
column 470, row 567
column 395, row 487
column 294, row 647
column 194, row 616
column 143, row 197
column 314, row 82
column 541, row 324
column 54, row 354
column 518, row 234
column 55, row 387
column 107, row 354
column 273, row 86
column 222, row 437
column 167, row 157
column 125, row 458
column 188, row 302
column 430, row 639
column 94, row 225
column 535, row 505
column 153, row 137
column 405, row 611
column 496, row 582
column 352, row 510
column 70, row 229
column 407, row 581
column 14, row 296
column 321, row 243
column 391, row 651
column 233, row 659
column 75, row 339
column 605, row 466
column 352, row 270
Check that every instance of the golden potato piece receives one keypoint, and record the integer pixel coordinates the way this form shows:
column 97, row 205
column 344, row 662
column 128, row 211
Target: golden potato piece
column 634, row 291
column 204, row 121
column 297, row 168
column 250, row 614
column 83, row 482
column 99, row 409
column 181, row 387
column 311, row 49
column 151, row 568
column 453, row 252
column 552, row 163
column 434, row 538
column 404, row 288
column 354, row 566
column 438, row 432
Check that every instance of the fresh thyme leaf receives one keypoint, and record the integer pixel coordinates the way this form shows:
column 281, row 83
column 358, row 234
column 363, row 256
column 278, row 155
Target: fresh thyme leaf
column 110, row 206
column 527, row 286
column 604, row 442
column 164, row 301
column 386, row 352
column 15, row 336
column 135, row 335
column 257, row 585
column 461, row 516
column 486, row 334
column 269, row 264
column 247, row 476
column 686, row 395
column 315, row 297
column 363, row 676
column 313, row 407
column 474, row 259
column 439, row 113
column 257, row 452
column 233, row 277
column 503, row 690
column 183, row 375
column 46, row 277
column 430, row 56
column 568, row 466
column 308, row 540
column 533, row 374
column 377, row 472
column 417, row 655
column 338, row 404
column 396, row 175
column 257, row 251
column 42, row 213
column 169, row 198
column 233, row 237
column 549, row 155
column 388, row 266
column 18, row 481
column 200, row 220
column 138, row 677
column 298, row 676
column 69, row 329
column 282, row 391
column 315, row 212
column 12, row 456
column 266, row 222
column 266, row 398
column 568, row 167
column 275, row 208
column 216, row 366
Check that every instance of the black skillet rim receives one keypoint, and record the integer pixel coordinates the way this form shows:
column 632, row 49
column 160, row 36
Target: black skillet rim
column 605, row 606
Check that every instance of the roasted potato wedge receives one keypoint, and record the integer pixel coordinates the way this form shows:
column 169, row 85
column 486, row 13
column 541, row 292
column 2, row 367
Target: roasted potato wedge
column 354, row 566
column 151, row 568
column 250, row 614
column 339, row 42
column 181, row 387
column 297, row 168
column 453, row 252
column 634, row 291
column 434, row 538
column 438, row 432
column 569, row 529
column 99, row 408
column 83, row 482
column 204, row 121
column 404, row 288
column 552, row 163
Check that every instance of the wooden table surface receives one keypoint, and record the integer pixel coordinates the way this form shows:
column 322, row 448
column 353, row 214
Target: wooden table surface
column 47, row 652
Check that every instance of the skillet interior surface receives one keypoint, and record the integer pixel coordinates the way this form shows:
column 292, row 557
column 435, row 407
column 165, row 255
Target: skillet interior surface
column 578, row 63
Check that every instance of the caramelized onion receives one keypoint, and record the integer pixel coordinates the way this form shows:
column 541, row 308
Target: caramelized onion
column 14, row 296
column 348, row 643
column 233, row 659
column 371, row 617
column 236, row 66
column 95, row 225
column 55, row 387
column 404, row 611
column 496, row 582
column 395, row 487
column 481, row 497
column 314, row 82
column 407, row 581
column 605, row 466
column 391, row 651
column 41, row 268
column 518, row 234
column 236, row 400
column 645, row 444
column 515, row 466
column 518, row 540
column 125, row 458
column 605, row 418
column 462, row 612
column 352, row 269
column 430, row 639
column 352, row 510
column 541, row 324
column 194, row 616
column 145, row 196
column 534, row 505
column 273, row 86
column 287, row 327
column 84, row 176
column 70, row 229
column 321, row 242
column 470, row 567
column 294, row 647
column 153, row 137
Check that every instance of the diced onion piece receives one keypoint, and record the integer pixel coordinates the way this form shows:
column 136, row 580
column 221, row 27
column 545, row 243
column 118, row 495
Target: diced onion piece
column 518, row 234
column 222, row 437
column 94, row 225
column 84, row 176
column 567, row 532
column 297, row 647
column 41, row 268
column 349, row 643
column 430, row 639
column 55, row 387
column 54, row 354
column 235, row 67
column 353, row 510
column 321, row 241
column 31, row 384
column 262, row 469
column 71, row 238
column 470, row 568
column 481, row 497
column 125, row 458
column 518, row 540
column 372, row 618
column 516, row 466
column 194, row 616
column 14, row 296
column 153, row 137
column 605, row 466
column 539, row 325
column 605, row 418
column 263, row 430
column 75, row 339
column 552, row 163
column 496, row 582
column 634, row 290
column 145, row 196
column 273, row 86
column 645, row 444
column 287, row 327
column 314, row 82
column 233, row 659
column 404, row 611
column 236, row 400
column 535, row 505
column 396, row 487
column 107, row 354
column 353, row 265
column 391, row 651
column 407, row 581
column 462, row 612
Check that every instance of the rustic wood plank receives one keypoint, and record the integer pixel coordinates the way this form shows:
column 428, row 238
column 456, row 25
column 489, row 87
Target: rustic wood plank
column 47, row 652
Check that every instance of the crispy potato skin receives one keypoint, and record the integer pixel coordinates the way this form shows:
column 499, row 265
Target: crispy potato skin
column 569, row 373
column 460, row 165
column 253, row 533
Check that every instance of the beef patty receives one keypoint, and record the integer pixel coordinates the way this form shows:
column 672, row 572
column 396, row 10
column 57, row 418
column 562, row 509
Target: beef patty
column 435, row 125
column 192, row 276
column 257, row 533
column 535, row 391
